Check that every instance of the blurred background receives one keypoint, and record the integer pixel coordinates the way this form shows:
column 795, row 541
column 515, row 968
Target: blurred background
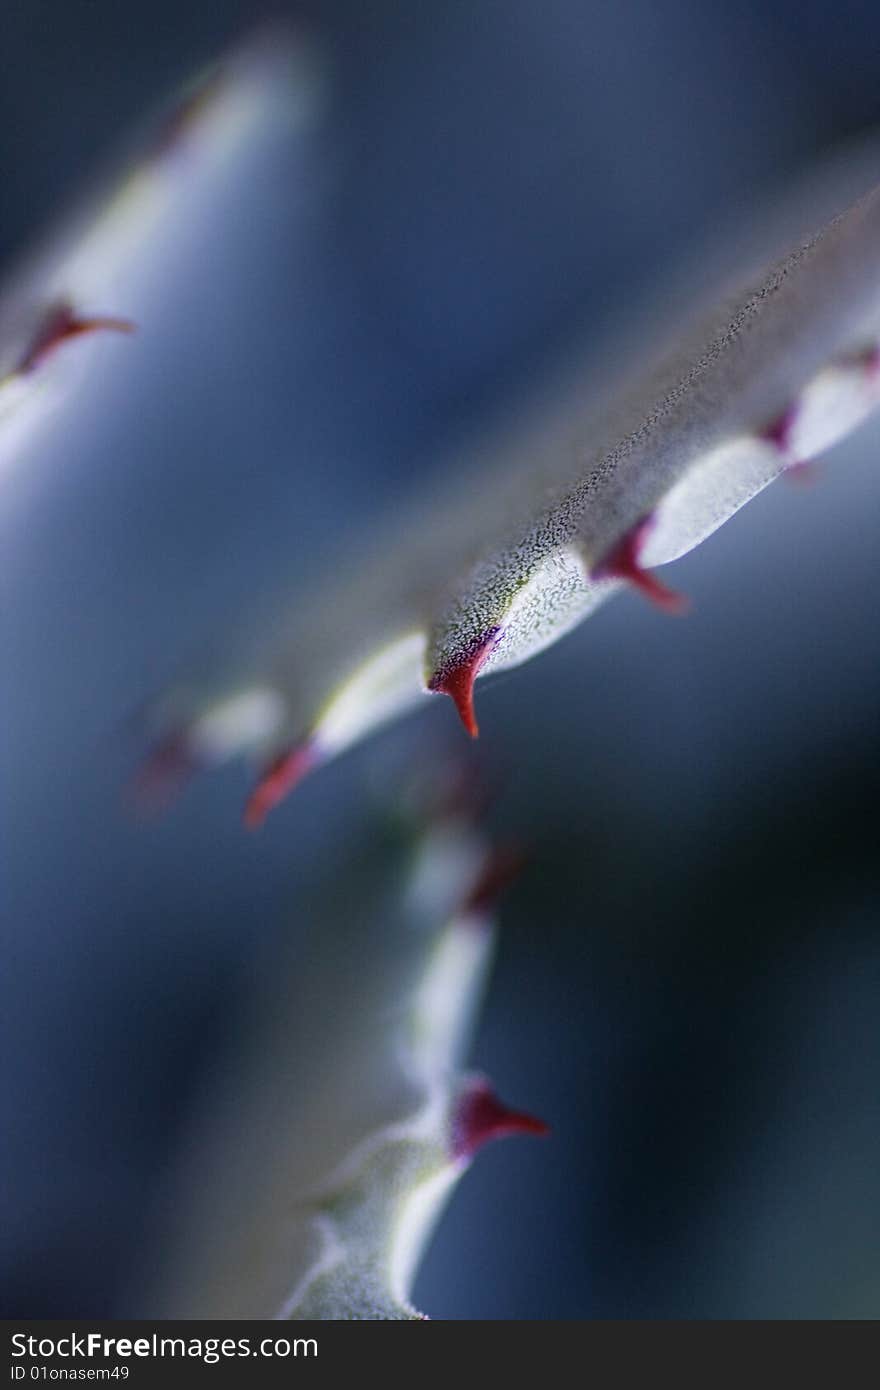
column 689, row 977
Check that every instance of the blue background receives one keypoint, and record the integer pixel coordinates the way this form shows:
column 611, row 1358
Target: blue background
column 689, row 980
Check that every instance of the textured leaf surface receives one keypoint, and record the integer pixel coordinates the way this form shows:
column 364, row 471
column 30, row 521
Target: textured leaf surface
column 586, row 497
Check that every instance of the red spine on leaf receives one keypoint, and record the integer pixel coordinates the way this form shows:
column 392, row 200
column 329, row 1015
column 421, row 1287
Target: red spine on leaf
column 623, row 562
column 457, row 681
column 278, row 781
column 779, row 434
column 480, row 1117
column 779, row 431
column 59, row 326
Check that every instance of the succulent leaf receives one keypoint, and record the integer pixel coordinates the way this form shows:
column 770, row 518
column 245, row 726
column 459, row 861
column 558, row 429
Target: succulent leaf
column 481, row 577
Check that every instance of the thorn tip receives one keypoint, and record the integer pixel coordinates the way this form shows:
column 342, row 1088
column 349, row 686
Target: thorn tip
column 623, row 562
column 481, row 1117
column 457, row 680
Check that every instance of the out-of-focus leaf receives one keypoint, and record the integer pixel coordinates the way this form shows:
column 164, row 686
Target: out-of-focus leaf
column 95, row 272
column 327, row 1158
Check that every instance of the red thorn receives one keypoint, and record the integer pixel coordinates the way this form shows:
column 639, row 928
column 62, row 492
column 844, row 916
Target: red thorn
column 480, row 1117
column 501, row 866
column 60, row 325
column 623, row 563
column 163, row 773
column 278, row 781
column 457, row 681
column 779, row 432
